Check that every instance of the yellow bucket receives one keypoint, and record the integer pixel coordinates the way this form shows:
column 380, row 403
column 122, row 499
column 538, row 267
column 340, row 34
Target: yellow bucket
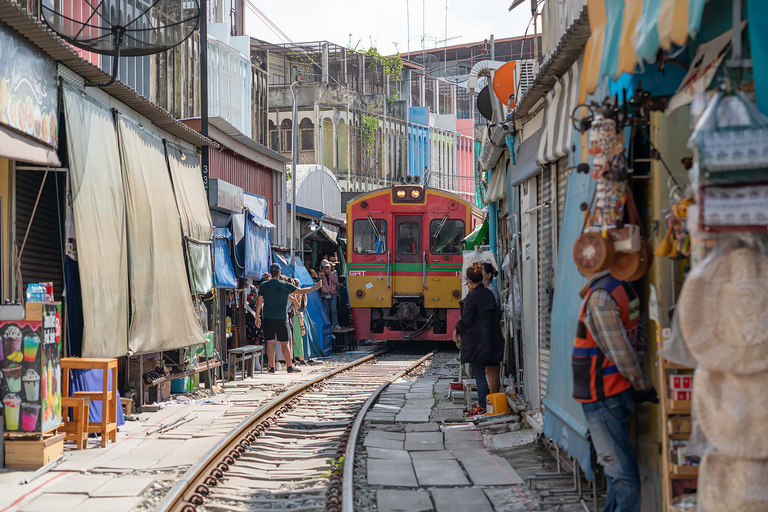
column 496, row 404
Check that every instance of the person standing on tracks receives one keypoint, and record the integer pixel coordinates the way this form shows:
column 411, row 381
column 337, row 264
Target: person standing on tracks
column 474, row 332
column 330, row 291
column 493, row 371
column 273, row 296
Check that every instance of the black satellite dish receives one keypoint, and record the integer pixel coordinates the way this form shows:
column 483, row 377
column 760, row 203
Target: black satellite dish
column 123, row 28
column 484, row 103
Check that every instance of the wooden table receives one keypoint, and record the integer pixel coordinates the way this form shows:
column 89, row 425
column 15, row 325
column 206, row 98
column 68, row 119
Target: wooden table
column 108, row 425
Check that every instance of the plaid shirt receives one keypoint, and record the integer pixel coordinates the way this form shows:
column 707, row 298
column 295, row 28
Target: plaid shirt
column 603, row 320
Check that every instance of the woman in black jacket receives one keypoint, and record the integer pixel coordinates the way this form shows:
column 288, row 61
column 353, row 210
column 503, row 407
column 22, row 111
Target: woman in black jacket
column 476, row 328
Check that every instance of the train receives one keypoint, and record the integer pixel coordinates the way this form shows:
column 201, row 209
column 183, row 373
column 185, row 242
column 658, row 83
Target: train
column 404, row 261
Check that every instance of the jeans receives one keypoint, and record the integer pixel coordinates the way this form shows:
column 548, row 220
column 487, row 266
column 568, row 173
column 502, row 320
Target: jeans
column 478, row 372
column 609, row 427
column 330, row 308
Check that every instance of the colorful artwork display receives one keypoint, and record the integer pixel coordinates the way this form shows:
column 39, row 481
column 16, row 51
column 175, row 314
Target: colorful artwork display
column 30, row 373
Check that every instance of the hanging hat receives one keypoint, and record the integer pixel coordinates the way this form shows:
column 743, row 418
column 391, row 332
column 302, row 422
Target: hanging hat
column 732, row 412
column 728, row 484
column 723, row 312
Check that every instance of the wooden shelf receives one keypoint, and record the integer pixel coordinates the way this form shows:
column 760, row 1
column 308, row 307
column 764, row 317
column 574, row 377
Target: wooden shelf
column 181, row 375
column 674, row 366
column 677, row 407
column 683, row 471
column 680, row 437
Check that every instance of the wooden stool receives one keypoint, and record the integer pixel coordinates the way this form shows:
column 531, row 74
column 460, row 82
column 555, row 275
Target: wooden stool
column 77, row 429
column 246, row 353
column 127, row 404
column 108, row 425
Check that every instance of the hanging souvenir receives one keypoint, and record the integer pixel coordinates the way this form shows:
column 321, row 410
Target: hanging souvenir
column 631, row 266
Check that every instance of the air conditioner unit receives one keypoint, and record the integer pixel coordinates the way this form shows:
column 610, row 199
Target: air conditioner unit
column 525, row 73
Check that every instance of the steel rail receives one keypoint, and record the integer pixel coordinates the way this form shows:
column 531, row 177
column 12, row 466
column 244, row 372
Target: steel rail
column 211, row 466
column 348, row 483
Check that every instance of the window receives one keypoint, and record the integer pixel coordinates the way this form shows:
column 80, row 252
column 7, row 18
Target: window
column 408, row 238
column 369, row 236
column 307, row 131
column 445, row 236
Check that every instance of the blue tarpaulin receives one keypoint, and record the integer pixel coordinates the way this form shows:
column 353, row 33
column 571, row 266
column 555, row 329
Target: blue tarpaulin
column 92, row 380
column 252, row 249
column 225, row 273
column 316, row 320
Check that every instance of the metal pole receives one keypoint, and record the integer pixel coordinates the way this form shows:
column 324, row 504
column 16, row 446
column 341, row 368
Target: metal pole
column 294, row 164
column 493, row 48
column 535, row 13
column 204, row 162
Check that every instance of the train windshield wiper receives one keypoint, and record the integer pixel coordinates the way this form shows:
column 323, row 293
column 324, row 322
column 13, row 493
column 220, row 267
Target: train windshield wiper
column 440, row 227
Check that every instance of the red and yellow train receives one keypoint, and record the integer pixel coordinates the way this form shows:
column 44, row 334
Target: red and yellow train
column 404, row 260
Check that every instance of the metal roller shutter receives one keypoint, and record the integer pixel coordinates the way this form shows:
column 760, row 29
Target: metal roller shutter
column 41, row 260
column 546, row 274
column 562, row 181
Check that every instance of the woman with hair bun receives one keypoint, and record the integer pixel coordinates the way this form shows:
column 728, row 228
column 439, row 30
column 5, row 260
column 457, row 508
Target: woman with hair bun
column 493, row 370
column 474, row 332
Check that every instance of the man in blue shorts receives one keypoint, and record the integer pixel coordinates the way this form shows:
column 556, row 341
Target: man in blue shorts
column 273, row 296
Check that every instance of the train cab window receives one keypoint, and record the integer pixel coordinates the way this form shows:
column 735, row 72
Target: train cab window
column 369, row 236
column 408, row 238
column 445, row 236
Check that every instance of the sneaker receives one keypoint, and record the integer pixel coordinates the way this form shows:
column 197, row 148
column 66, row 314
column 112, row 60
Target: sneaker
column 291, row 369
column 477, row 411
column 303, row 363
column 271, row 370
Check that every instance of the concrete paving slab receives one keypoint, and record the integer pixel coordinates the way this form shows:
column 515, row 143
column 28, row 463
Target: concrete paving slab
column 462, row 435
column 432, row 455
column 464, row 444
column 413, row 417
column 392, row 473
column 77, row 484
column 492, row 470
column 378, row 453
column 102, row 504
column 422, row 427
column 439, row 473
column 513, row 439
column 385, row 434
column 466, row 454
column 57, row 502
column 123, row 486
column 461, row 500
column 403, row 501
column 187, row 454
column 421, row 441
column 387, row 444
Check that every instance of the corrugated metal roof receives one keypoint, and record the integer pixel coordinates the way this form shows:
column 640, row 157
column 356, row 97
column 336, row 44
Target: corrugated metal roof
column 14, row 14
column 567, row 51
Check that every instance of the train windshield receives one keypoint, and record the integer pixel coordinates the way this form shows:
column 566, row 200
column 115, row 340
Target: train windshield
column 408, row 237
column 369, row 236
column 445, row 236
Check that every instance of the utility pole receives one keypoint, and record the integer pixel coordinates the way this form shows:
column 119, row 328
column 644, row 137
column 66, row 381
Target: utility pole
column 493, row 48
column 204, row 158
column 535, row 14
column 294, row 165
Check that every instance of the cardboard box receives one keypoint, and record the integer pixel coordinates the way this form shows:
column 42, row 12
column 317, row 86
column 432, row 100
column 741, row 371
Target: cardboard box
column 680, row 382
column 680, row 395
column 24, row 453
column 679, row 425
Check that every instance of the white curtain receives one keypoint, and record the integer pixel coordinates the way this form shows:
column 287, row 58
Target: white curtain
column 98, row 204
column 163, row 316
column 195, row 217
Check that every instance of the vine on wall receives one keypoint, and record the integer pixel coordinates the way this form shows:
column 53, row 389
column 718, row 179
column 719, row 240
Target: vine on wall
column 369, row 125
column 393, row 66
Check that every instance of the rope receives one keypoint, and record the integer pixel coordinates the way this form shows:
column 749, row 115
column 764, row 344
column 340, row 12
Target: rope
column 17, row 257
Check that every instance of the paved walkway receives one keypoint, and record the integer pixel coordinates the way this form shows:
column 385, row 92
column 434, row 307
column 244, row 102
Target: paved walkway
column 135, row 472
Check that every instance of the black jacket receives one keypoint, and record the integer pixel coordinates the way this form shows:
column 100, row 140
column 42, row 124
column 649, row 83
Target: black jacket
column 479, row 328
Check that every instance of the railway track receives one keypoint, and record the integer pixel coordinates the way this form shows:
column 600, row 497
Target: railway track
column 278, row 458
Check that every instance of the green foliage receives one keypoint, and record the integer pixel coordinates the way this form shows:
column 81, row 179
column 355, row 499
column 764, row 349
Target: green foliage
column 337, row 467
column 393, row 66
column 369, row 126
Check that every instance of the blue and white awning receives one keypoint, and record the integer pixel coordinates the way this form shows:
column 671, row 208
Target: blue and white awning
column 556, row 127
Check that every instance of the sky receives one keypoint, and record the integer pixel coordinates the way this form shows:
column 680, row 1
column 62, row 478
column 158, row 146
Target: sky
column 384, row 23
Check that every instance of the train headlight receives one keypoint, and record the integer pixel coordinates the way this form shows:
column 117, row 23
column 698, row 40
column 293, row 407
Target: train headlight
column 400, row 193
column 359, row 293
column 415, row 193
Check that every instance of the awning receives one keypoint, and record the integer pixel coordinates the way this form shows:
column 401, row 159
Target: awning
column 479, row 236
column 261, row 221
column 556, row 126
column 15, row 146
column 495, row 190
column 525, row 162
column 331, row 231
column 627, row 34
column 252, row 248
column 225, row 272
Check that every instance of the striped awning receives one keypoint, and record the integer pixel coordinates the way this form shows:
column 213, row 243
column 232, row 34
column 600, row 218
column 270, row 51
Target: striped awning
column 495, row 190
column 556, row 126
column 627, row 33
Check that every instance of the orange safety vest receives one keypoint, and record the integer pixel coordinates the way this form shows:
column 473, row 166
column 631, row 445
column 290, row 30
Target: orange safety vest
column 595, row 377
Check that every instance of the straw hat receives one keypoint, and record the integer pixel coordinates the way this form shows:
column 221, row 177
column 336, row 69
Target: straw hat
column 723, row 313
column 732, row 412
column 727, row 484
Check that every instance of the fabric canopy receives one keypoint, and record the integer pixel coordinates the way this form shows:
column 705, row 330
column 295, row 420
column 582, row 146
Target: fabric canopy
column 15, row 146
column 556, row 126
column 525, row 163
column 479, row 236
column 627, row 33
column 163, row 317
column 225, row 273
column 258, row 249
column 98, row 205
column 495, row 190
column 331, row 231
column 196, row 225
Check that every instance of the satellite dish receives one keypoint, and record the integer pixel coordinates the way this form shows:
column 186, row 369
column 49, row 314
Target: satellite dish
column 484, row 103
column 504, row 83
column 123, row 28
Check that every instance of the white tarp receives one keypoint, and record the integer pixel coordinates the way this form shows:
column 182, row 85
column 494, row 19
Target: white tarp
column 162, row 314
column 196, row 222
column 98, row 205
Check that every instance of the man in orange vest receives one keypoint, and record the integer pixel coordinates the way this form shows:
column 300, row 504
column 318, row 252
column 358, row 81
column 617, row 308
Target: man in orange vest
column 608, row 379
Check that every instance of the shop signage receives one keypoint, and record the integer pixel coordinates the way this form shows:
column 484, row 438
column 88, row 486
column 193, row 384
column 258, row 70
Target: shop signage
column 28, row 90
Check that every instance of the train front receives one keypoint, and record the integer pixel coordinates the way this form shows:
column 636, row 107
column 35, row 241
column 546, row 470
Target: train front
column 404, row 262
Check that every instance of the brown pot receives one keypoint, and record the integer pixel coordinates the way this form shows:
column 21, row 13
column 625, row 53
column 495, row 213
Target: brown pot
column 592, row 253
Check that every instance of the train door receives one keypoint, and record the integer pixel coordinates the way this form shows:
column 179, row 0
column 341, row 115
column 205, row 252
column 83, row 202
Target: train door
column 444, row 260
column 408, row 265
column 368, row 269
